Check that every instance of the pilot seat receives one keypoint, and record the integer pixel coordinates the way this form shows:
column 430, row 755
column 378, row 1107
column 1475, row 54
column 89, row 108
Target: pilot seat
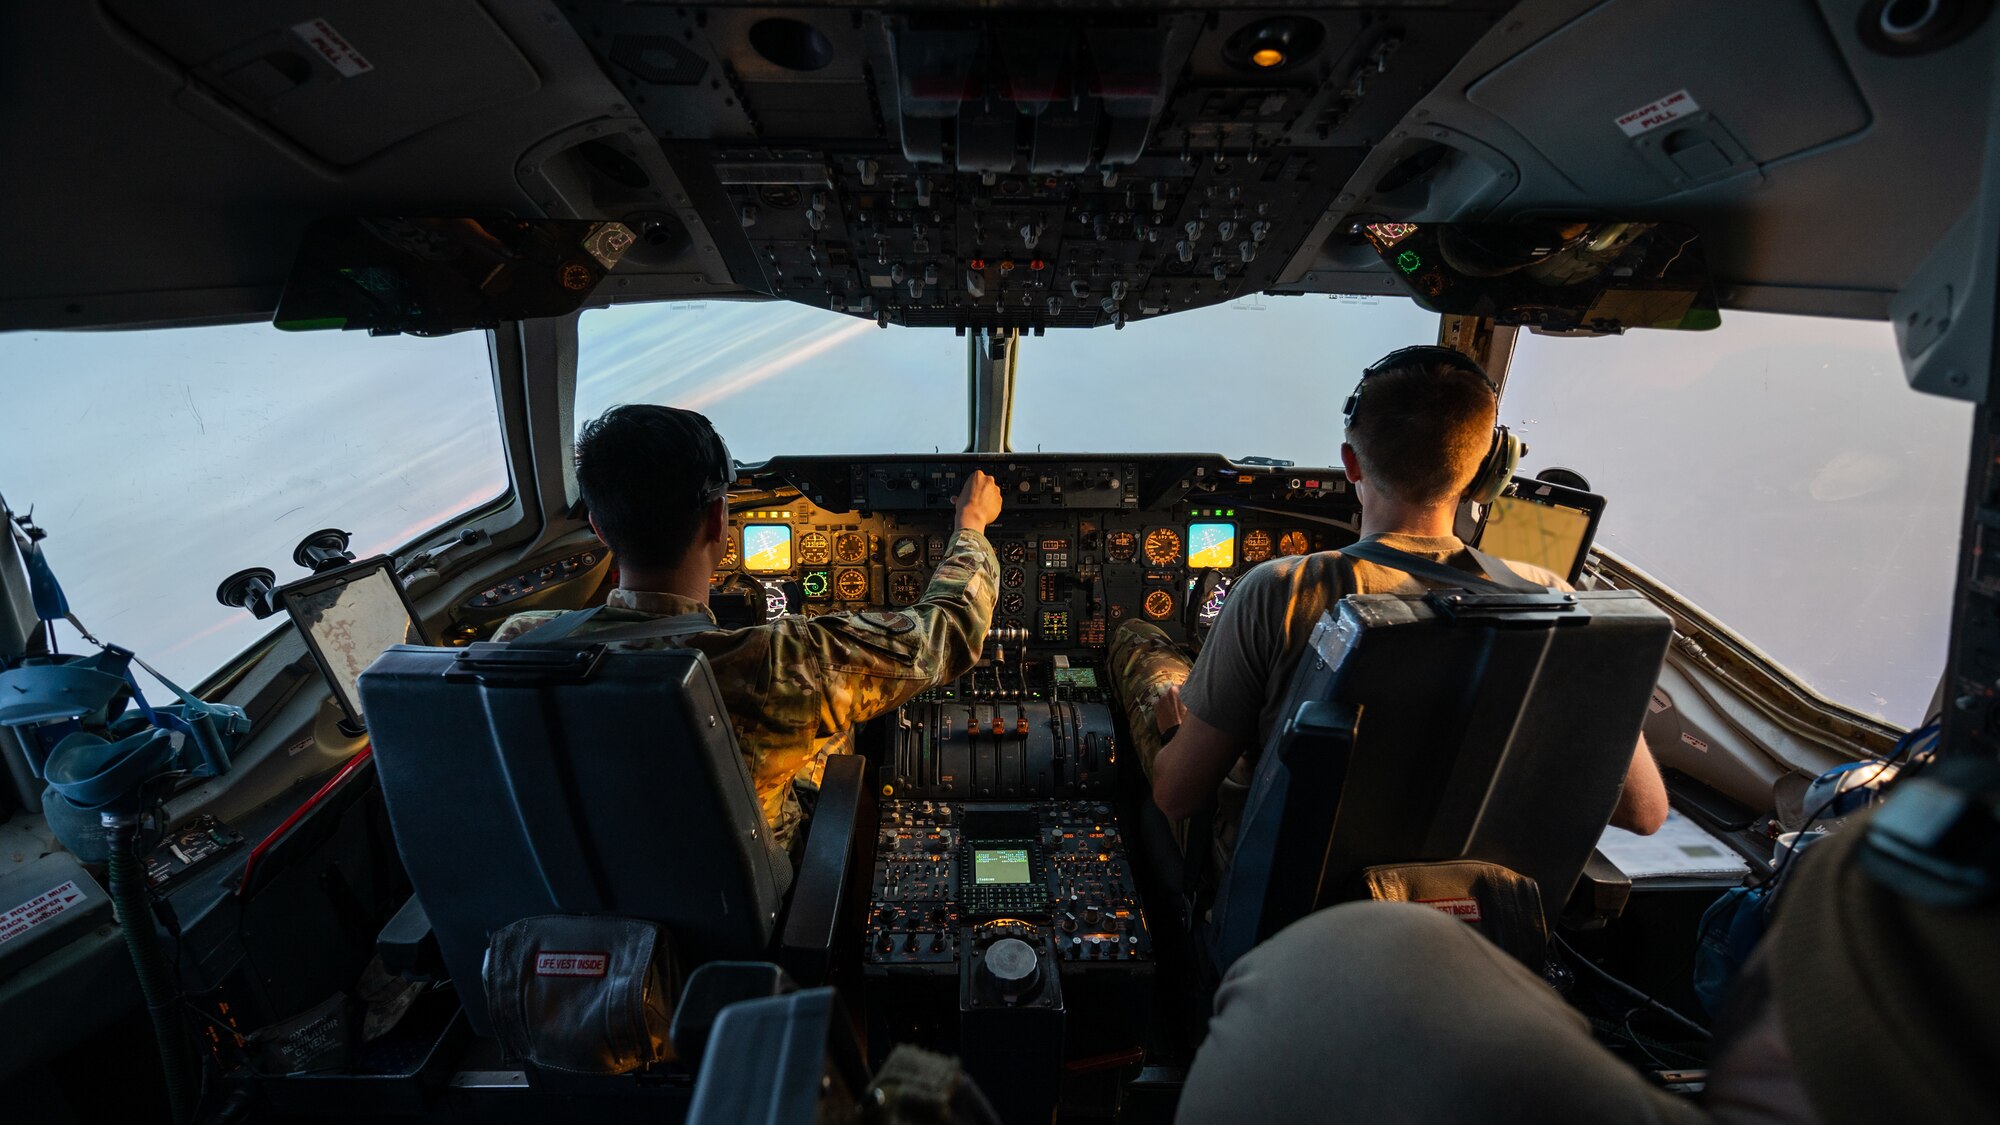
column 569, row 779
column 1464, row 749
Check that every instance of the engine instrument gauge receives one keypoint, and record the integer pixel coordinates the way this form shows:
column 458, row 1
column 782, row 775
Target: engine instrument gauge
column 815, row 583
column 935, row 549
column 905, row 587
column 1159, row 604
column 1256, row 546
column 906, row 551
column 1163, row 548
column 1013, row 551
column 1011, row 603
column 851, row 585
column 1294, row 543
column 1012, row 577
column 1120, row 546
column 850, row 546
column 813, row 549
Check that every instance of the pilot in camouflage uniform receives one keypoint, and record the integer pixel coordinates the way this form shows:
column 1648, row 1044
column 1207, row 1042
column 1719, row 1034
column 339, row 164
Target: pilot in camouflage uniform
column 656, row 481
column 795, row 688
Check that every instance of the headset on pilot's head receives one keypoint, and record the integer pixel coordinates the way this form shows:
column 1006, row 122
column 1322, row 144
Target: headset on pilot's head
column 1502, row 458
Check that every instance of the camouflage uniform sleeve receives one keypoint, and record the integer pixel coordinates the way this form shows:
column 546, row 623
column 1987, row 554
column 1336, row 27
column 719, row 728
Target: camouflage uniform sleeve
column 522, row 622
column 869, row 663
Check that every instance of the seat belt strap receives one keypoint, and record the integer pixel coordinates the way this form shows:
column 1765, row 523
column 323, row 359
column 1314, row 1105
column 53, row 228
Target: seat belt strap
column 560, row 629
column 1502, row 581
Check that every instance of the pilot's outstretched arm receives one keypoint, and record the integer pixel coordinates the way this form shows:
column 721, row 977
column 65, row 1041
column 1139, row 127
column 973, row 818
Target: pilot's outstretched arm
column 869, row 663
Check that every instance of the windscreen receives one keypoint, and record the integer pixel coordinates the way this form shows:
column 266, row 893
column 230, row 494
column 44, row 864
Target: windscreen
column 776, row 377
column 348, row 624
column 1779, row 473
column 1260, row 377
column 160, row 461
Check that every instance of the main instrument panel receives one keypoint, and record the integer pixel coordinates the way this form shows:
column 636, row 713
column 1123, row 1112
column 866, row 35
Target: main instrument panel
column 1082, row 544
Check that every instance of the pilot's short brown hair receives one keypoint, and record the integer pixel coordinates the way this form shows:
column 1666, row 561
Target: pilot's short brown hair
column 1421, row 427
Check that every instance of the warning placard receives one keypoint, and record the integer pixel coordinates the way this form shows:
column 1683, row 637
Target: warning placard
column 1652, row 115
column 35, row 911
column 321, row 37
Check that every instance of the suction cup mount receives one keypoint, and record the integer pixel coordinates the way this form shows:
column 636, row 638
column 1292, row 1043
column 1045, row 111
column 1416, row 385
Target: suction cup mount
column 323, row 550
column 252, row 588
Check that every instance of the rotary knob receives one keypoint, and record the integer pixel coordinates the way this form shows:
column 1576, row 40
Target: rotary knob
column 1011, row 965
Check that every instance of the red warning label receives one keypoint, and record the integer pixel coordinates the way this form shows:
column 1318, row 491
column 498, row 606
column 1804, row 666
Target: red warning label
column 1652, row 115
column 1463, row 909
column 35, row 911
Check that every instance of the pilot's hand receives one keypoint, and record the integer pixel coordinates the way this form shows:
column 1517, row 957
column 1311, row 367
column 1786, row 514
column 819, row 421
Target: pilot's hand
column 978, row 503
column 1168, row 711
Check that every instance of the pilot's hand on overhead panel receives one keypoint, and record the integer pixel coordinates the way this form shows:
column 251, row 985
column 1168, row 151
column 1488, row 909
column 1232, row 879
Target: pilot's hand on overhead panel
column 978, row 503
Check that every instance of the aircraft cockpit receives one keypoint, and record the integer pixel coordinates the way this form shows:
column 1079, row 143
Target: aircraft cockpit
column 353, row 768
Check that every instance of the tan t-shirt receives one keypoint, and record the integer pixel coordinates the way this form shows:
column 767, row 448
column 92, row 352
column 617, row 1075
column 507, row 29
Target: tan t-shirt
column 1240, row 679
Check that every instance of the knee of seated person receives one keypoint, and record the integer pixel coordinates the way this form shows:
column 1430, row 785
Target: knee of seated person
column 1358, row 945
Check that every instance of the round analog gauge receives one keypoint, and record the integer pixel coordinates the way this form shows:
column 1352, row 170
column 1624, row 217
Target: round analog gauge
column 851, row 585
column 1120, row 546
column 1256, row 546
column 1294, row 543
column 906, row 551
column 905, row 587
column 1010, row 603
column 1163, row 548
column 1012, row 577
column 1013, row 551
column 850, row 546
column 1159, row 604
column 815, row 583
column 813, row 549
column 729, row 552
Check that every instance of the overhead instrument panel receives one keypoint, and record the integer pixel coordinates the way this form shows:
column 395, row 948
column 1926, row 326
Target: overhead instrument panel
column 976, row 166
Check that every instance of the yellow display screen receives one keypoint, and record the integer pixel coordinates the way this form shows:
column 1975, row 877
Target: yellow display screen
column 1211, row 545
column 767, row 547
column 1548, row 535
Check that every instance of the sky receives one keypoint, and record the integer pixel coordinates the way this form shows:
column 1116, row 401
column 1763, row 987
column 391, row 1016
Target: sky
column 1777, row 471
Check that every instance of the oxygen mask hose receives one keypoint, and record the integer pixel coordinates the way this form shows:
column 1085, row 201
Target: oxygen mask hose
column 142, row 941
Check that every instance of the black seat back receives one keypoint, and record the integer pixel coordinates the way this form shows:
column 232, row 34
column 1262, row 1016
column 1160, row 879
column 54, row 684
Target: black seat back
column 1437, row 727
column 570, row 781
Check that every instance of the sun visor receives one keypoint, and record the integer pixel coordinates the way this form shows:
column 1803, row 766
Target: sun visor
column 341, row 81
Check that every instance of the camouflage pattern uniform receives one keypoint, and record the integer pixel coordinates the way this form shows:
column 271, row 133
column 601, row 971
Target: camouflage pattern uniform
column 1145, row 662
column 796, row 687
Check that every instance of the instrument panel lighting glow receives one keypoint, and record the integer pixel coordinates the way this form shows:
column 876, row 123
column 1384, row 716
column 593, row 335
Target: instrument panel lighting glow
column 1211, row 545
column 767, row 547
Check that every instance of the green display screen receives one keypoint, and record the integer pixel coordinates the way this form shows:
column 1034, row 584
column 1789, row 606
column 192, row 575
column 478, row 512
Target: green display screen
column 1000, row 865
column 1076, row 677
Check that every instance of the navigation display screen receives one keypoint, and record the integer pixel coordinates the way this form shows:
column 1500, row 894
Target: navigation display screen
column 1546, row 532
column 767, row 547
column 1211, row 545
column 1000, row 865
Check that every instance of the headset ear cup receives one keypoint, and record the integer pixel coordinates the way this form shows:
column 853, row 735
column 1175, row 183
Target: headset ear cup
column 1497, row 471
